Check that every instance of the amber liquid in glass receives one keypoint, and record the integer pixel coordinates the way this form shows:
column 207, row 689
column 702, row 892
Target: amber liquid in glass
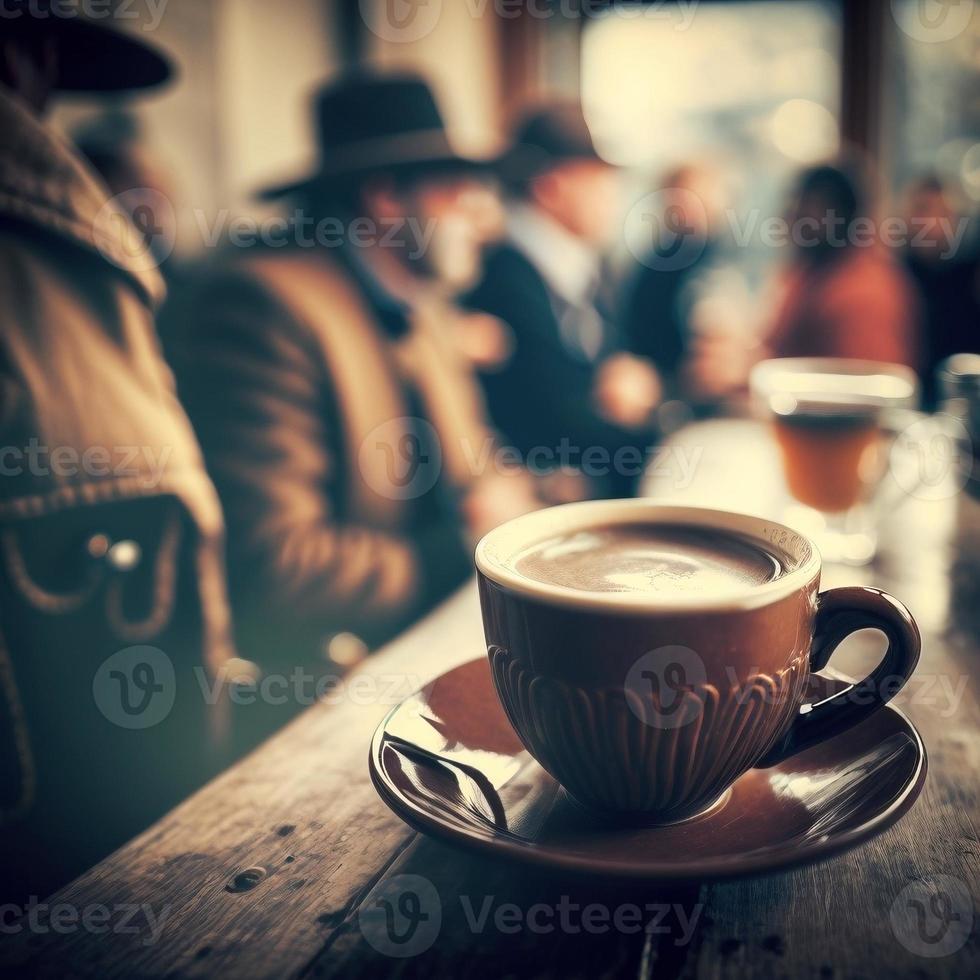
column 829, row 458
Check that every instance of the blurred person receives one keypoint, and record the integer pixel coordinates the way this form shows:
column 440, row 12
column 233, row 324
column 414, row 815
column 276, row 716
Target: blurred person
column 840, row 295
column 669, row 313
column 339, row 418
column 112, row 595
column 565, row 378
column 942, row 257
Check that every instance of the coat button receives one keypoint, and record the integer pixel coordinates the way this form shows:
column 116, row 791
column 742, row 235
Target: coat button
column 98, row 546
column 120, row 556
column 124, row 556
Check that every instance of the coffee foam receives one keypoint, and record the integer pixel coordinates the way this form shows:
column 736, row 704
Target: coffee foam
column 649, row 559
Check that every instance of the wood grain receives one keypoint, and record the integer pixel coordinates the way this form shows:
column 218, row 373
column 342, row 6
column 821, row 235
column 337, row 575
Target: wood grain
column 302, row 807
column 302, row 813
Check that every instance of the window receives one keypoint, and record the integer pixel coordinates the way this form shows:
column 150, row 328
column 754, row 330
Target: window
column 751, row 88
column 935, row 110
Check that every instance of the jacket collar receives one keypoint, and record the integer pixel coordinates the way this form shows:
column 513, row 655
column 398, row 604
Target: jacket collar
column 568, row 265
column 43, row 182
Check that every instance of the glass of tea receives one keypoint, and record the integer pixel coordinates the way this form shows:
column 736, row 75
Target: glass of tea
column 834, row 421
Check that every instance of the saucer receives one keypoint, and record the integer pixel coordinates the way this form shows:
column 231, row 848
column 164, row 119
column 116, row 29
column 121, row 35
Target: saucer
column 485, row 792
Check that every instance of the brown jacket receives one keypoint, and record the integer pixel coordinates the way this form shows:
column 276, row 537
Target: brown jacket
column 304, row 406
column 93, row 440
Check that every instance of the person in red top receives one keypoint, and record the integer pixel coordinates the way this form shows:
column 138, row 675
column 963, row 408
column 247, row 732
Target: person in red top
column 842, row 294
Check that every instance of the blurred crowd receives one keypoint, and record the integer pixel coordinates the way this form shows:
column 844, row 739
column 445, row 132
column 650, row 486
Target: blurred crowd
column 285, row 455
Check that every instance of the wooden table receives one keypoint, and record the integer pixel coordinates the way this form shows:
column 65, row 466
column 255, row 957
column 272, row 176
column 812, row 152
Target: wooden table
column 263, row 872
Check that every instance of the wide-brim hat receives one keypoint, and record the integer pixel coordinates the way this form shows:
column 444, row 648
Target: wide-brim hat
column 93, row 56
column 545, row 137
column 372, row 123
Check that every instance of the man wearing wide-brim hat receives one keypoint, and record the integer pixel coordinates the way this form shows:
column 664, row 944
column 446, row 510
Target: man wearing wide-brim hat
column 339, row 420
column 110, row 530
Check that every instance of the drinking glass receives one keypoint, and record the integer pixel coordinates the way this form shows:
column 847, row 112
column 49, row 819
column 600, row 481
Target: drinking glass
column 834, row 421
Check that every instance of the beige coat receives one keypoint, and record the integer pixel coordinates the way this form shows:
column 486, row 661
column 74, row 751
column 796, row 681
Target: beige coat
column 92, row 437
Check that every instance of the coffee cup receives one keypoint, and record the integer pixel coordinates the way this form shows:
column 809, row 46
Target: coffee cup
column 647, row 655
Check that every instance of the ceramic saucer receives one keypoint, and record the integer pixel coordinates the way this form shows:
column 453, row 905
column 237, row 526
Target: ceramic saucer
column 447, row 761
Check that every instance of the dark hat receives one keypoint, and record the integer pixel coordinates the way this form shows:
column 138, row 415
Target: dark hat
column 370, row 123
column 92, row 56
column 545, row 137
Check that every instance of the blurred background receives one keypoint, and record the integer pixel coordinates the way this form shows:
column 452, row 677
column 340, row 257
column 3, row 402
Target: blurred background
column 758, row 89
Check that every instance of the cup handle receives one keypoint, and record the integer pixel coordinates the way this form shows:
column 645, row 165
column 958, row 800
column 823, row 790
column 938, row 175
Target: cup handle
column 839, row 613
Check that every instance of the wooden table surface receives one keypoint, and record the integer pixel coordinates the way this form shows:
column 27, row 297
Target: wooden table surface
column 302, row 811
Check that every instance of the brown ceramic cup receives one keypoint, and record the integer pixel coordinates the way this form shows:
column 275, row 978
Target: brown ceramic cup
column 652, row 705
